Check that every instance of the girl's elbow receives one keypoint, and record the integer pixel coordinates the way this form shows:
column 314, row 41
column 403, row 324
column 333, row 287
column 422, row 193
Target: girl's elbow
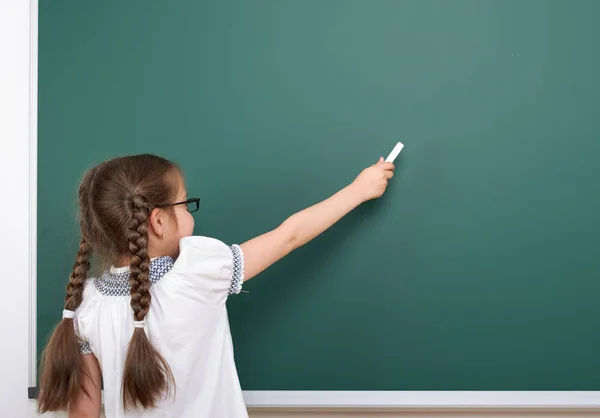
column 291, row 237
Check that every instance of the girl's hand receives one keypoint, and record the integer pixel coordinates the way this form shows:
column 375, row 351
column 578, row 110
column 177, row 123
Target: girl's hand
column 373, row 181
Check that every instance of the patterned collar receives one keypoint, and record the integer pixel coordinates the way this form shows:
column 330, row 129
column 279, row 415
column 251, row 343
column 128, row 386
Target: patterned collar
column 115, row 281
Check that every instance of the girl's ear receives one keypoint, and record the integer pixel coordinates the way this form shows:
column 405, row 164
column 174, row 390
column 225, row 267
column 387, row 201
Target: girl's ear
column 157, row 223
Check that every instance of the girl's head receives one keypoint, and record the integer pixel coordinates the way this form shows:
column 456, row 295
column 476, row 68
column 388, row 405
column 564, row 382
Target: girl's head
column 130, row 210
column 126, row 199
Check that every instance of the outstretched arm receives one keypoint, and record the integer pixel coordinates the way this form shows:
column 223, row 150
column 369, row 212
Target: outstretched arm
column 300, row 228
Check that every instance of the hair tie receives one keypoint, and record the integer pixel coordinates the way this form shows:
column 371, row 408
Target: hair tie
column 68, row 314
column 139, row 324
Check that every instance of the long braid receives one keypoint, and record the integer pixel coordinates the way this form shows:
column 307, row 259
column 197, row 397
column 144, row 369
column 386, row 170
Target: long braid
column 81, row 267
column 62, row 367
column 140, row 262
column 146, row 376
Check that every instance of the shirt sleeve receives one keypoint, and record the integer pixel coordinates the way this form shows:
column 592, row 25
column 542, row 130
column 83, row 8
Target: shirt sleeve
column 84, row 347
column 209, row 268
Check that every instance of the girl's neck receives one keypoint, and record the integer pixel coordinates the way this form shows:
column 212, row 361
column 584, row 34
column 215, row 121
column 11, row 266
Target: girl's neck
column 126, row 261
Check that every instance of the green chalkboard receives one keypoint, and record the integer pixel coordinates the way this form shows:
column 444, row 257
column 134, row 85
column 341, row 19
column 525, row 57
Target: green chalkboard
column 478, row 270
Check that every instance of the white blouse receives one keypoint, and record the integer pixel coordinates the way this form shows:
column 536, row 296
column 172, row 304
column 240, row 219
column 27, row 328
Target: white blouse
column 187, row 323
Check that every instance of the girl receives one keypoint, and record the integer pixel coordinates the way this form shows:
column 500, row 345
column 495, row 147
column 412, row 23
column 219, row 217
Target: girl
column 176, row 359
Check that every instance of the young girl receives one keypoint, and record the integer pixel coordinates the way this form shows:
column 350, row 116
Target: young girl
column 176, row 359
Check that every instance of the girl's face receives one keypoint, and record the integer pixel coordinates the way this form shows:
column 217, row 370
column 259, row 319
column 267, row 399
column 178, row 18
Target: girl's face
column 168, row 227
column 184, row 221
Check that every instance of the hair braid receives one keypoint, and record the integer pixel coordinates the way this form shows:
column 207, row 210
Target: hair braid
column 146, row 376
column 78, row 276
column 62, row 366
column 139, row 266
column 81, row 267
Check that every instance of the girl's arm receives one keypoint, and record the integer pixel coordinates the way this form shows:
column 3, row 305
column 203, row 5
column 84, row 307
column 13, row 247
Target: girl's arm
column 82, row 405
column 300, row 228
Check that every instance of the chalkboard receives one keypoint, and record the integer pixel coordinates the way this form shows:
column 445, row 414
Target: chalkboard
column 480, row 267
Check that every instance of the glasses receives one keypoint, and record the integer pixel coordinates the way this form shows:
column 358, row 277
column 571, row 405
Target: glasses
column 192, row 204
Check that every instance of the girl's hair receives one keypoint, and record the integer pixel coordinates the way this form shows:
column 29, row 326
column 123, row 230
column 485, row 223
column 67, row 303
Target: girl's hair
column 115, row 202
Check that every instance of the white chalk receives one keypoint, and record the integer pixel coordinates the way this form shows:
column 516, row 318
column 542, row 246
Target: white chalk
column 395, row 152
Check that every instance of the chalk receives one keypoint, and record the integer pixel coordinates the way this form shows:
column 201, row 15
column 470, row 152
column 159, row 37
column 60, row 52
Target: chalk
column 395, row 152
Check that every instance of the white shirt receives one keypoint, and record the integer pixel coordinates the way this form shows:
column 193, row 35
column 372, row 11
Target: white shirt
column 187, row 323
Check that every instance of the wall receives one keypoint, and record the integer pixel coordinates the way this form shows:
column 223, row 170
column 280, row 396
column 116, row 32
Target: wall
column 14, row 213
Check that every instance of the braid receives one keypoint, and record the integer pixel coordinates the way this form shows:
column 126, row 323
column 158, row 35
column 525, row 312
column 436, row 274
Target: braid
column 78, row 276
column 140, row 263
column 81, row 267
column 146, row 376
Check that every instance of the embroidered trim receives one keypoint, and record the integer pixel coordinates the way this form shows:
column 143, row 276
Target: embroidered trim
column 115, row 282
column 84, row 348
column 237, row 277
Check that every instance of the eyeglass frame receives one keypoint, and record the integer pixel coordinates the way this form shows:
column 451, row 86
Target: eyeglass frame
column 195, row 200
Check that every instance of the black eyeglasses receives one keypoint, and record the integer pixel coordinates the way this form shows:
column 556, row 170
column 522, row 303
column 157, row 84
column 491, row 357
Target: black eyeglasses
column 192, row 204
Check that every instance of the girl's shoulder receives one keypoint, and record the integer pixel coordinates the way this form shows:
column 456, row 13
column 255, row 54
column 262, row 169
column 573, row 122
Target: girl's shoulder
column 201, row 251
column 209, row 266
column 202, row 242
